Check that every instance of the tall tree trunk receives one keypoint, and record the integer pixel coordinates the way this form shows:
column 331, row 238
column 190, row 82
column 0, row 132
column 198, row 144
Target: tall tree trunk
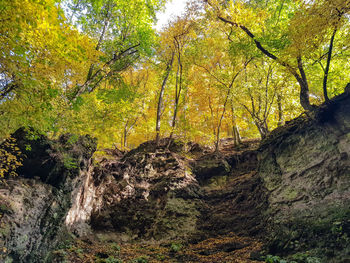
column 329, row 58
column 99, row 43
column 304, row 86
column 236, row 136
column 160, row 99
column 262, row 128
column 127, row 128
column 178, row 89
column 212, row 117
column 235, row 132
column 229, row 88
column 280, row 110
column 125, row 135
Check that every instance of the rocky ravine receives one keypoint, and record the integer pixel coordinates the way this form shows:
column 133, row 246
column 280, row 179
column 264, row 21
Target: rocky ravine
column 292, row 194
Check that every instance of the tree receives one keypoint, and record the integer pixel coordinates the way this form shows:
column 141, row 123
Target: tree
column 123, row 33
column 235, row 69
column 181, row 34
column 261, row 89
column 222, row 68
column 39, row 55
column 169, row 64
column 307, row 27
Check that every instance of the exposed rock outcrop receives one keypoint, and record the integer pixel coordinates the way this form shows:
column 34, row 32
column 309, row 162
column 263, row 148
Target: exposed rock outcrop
column 148, row 193
column 306, row 168
column 34, row 205
column 292, row 192
column 163, row 195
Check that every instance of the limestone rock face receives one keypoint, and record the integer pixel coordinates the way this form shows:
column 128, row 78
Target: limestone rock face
column 147, row 194
column 174, row 195
column 32, row 216
column 157, row 194
column 306, row 168
column 34, row 205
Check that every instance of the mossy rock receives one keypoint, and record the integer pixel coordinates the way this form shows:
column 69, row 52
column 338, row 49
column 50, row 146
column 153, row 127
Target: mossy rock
column 326, row 234
column 52, row 161
column 210, row 166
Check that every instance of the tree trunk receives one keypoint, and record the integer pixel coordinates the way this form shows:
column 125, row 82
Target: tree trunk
column 262, row 128
column 99, row 43
column 235, row 132
column 160, row 100
column 217, row 141
column 178, row 88
column 304, row 87
column 236, row 136
column 125, row 136
column 329, row 57
column 280, row 110
column 229, row 88
column 304, row 97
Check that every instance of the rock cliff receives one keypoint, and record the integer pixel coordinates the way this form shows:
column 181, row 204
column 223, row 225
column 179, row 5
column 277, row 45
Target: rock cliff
column 306, row 168
column 35, row 205
column 290, row 194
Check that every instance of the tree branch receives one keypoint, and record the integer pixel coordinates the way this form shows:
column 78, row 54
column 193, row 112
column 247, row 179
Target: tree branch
column 127, row 52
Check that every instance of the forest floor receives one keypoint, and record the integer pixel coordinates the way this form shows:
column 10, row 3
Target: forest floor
column 229, row 248
column 227, row 146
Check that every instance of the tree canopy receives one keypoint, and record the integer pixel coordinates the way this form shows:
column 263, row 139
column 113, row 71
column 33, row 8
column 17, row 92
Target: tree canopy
column 222, row 69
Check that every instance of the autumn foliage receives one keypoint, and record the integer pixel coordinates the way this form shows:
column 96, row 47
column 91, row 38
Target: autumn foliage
column 222, row 69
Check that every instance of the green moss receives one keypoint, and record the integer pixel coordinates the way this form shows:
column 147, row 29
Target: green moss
column 5, row 230
column 142, row 259
column 5, row 209
column 290, row 193
column 23, row 239
column 73, row 139
column 270, row 171
column 115, row 247
column 218, row 181
column 8, row 260
column 325, row 234
column 348, row 137
column 160, row 257
column 110, row 259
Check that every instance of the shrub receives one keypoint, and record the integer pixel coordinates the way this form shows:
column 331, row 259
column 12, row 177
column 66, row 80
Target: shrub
column 10, row 158
column 274, row 259
column 69, row 162
column 141, row 259
column 112, row 259
column 115, row 247
column 175, row 247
